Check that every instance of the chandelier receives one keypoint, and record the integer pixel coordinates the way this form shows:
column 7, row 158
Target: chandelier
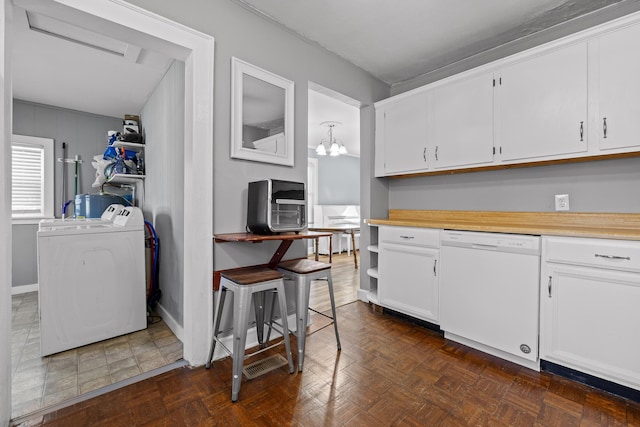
column 335, row 146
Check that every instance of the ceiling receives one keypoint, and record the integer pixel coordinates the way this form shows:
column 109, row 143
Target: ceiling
column 399, row 40
column 325, row 108
column 112, row 80
column 394, row 41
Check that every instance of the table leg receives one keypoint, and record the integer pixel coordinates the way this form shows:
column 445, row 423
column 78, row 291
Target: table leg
column 279, row 253
column 353, row 246
column 317, row 239
column 330, row 248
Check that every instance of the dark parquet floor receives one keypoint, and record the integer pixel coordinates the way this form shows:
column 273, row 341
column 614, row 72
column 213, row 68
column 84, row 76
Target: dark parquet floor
column 389, row 372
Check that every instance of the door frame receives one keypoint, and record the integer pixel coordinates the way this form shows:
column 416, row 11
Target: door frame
column 196, row 49
column 5, row 216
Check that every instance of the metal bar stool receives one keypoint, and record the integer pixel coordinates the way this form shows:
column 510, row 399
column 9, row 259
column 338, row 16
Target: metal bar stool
column 303, row 272
column 246, row 283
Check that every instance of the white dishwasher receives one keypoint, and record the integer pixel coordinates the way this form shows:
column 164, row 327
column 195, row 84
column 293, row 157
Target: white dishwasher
column 489, row 293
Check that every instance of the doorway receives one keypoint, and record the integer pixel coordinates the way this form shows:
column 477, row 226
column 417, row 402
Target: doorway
column 334, row 184
column 196, row 50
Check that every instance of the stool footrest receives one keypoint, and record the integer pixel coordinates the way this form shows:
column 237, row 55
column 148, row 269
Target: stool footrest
column 304, row 266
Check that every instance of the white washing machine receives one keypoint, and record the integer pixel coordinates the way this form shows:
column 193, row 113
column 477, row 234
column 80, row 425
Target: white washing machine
column 107, row 216
column 91, row 281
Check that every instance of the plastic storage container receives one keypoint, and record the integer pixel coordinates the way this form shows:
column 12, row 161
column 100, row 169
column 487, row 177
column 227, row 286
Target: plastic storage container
column 93, row 205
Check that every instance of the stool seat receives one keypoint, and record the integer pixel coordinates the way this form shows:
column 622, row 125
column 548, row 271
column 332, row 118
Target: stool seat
column 303, row 266
column 251, row 275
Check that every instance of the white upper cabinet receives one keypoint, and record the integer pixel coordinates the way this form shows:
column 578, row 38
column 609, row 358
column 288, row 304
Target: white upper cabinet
column 618, row 69
column 542, row 105
column 461, row 131
column 571, row 98
column 404, row 134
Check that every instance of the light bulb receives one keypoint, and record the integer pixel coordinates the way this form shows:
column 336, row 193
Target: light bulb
column 334, row 150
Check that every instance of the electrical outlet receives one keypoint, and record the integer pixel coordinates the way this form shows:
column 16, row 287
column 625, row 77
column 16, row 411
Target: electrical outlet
column 562, row 202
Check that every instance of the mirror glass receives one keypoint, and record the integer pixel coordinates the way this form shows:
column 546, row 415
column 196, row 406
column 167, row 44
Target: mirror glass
column 262, row 115
column 262, row 121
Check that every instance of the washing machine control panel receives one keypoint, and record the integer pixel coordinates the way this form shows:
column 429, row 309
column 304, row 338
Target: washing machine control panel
column 129, row 216
column 111, row 211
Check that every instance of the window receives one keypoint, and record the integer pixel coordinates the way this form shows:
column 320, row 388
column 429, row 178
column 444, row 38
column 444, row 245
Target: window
column 32, row 177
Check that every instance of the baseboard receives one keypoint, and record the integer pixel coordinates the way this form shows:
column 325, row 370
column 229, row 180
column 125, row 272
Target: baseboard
column 252, row 339
column 591, row 380
column 363, row 295
column 175, row 327
column 23, row 289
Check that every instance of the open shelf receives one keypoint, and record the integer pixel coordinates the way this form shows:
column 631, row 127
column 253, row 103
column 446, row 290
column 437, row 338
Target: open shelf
column 124, row 178
column 134, row 146
column 373, row 248
column 373, row 272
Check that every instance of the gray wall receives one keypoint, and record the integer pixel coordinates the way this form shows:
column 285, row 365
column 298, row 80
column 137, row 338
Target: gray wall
column 86, row 136
column 599, row 186
column 241, row 33
column 338, row 179
column 163, row 120
column 24, row 252
column 84, row 133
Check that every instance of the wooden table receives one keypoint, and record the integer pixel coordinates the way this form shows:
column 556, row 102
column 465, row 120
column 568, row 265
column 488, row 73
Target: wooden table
column 351, row 229
column 286, row 239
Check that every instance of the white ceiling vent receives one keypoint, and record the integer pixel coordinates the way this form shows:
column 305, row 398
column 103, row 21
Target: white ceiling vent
column 53, row 27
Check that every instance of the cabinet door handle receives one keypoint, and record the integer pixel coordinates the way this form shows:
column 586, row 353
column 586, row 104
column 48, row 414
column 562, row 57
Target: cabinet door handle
column 549, row 287
column 436, row 153
column 435, row 262
column 406, row 237
column 604, row 127
column 424, row 154
column 614, row 257
column 581, row 131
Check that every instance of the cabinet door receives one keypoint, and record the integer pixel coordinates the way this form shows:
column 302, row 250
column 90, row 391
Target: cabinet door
column 619, row 88
column 542, row 106
column 405, row 134
column 590, row 321
column 462, row 123
column 408, row 280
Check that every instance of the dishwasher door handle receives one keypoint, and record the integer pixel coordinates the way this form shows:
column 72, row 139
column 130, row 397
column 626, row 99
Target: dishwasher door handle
column 481, row 246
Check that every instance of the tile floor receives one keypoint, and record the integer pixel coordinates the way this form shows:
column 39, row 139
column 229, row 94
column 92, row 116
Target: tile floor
column 39, row 382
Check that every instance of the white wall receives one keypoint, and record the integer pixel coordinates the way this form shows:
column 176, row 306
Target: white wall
column 163, row 121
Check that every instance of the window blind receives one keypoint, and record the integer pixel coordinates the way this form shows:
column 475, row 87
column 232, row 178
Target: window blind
column 27, row 191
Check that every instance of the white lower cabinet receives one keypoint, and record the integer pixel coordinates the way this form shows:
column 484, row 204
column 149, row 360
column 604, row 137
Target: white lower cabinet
column 408, row 271
column 590, row 307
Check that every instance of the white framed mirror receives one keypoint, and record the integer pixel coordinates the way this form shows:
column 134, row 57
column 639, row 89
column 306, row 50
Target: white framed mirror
column 262, row 115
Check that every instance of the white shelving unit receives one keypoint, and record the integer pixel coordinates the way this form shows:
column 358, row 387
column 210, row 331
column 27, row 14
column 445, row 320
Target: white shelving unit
column 121, row 178
column 372, row 272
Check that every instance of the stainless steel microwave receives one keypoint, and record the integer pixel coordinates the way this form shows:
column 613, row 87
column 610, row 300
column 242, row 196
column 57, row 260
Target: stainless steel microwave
column 276, row 206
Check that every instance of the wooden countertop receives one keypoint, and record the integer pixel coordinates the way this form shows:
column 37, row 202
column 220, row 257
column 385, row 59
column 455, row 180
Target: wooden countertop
column 573, row 224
